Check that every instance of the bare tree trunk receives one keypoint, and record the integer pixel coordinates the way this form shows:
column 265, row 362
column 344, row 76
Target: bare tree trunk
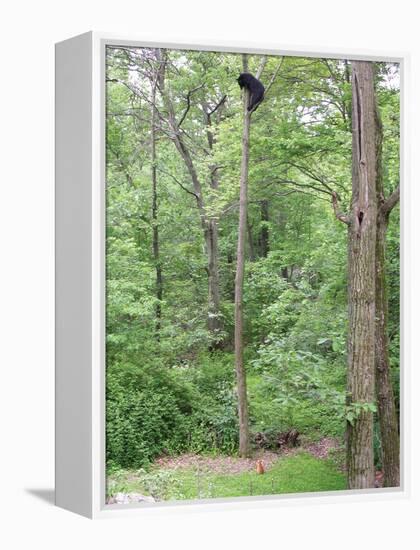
column 214, row 322
column 239, row 282
column 361, row 284
column 388, row 419
column 230, row 283
column 155, row 238
column 250, row 242
column 264, row 236
column 214, row 318
column 209, row 226
column 387, row 414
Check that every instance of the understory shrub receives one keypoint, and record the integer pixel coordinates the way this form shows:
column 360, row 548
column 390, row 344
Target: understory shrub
column 154, row 411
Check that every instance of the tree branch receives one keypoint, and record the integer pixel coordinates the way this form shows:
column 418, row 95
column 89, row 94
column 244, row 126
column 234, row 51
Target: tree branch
column 288, row 181
column 339, row 215
column 257, row 76
column 176, row 180
column 188, row 104
column 273, row 78
column 217, row 106
column 391, row 201
column 137, row 93
column 308, row 172
column 261, row 67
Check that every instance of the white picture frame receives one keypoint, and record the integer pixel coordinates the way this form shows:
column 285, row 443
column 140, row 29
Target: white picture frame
column 80, row 277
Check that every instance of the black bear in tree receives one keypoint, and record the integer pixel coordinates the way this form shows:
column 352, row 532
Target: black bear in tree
column 255, row 88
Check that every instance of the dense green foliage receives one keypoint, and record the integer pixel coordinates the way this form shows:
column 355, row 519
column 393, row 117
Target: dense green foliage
column 167, row 392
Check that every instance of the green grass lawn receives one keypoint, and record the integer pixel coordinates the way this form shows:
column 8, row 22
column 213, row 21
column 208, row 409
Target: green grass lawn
column 291, row 474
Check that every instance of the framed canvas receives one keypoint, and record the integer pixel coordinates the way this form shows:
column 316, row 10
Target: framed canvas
column 228, row 325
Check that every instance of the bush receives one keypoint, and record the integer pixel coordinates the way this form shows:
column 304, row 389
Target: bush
column 296, row 390
column 141, row 423
column 153, row 411
column 214, row 423
column 139, row 426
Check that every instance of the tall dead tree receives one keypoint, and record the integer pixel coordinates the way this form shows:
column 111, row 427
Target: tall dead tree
column 239, row 280
column 240, row 260
column 240, row 269
column 157, row 79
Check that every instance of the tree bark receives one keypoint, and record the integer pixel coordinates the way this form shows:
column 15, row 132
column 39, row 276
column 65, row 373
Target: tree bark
column 250, row 242
column 239, row 283
column 214, row 322
column 361, row 283
column 388, row 419
column 155, row 226
column 264, row 236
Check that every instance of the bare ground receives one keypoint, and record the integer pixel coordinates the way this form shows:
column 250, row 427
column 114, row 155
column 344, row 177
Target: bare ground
column 236, row 465
column 321, row 448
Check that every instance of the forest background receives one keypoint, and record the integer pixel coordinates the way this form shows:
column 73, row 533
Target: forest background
column 174, row 125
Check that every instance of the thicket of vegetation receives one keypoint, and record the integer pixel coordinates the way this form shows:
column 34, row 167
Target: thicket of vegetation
column 174, row 130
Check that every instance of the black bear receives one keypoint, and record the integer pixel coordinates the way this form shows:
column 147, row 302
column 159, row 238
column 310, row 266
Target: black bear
column 256, row 89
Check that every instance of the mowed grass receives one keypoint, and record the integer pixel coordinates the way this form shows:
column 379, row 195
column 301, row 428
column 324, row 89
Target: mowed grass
column 299, row 473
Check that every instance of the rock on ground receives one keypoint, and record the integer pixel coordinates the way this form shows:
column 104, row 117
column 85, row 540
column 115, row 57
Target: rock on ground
column 127, row 498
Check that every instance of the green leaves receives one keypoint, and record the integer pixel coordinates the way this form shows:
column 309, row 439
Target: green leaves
column 168, row 394
column 354, row 410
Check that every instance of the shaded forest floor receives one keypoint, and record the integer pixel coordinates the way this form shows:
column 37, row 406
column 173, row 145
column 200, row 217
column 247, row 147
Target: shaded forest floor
column 234, row 465
column 310, row 468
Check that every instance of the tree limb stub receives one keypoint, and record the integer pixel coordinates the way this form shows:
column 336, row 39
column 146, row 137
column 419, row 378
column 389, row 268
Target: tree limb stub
column 339, row 215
